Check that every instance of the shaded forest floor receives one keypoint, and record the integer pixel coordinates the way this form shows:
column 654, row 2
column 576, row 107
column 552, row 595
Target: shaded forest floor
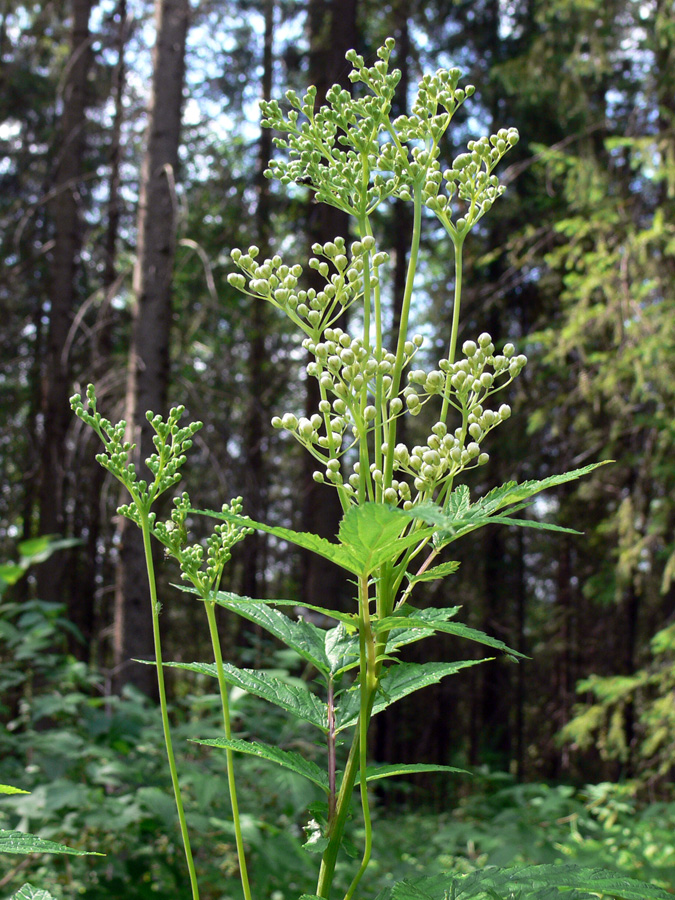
column 95, row 769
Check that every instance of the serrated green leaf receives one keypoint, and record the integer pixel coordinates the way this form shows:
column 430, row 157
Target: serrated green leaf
column 373, row 534
column 286, row 758
column 348, row 619
column 404, row 890
column 450, row 528
column 28, row 892
column 342, row 650
column 456, row 628
column 398, row 637
column 298, row 701
column 459, row 517
column 569, row 882
column 21, row 842
column 458, row 502
column 305, row 638
column 440, row 571
column 399, row 681
column 8, row 789
column 512, row 492
column 389, row 771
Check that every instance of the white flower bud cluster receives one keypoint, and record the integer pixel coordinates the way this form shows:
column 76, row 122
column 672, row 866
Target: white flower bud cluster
column 469, row 381
column 312, row 310
column 470, row 178
column 466, row 384
column 344, row 367
column 350, row 150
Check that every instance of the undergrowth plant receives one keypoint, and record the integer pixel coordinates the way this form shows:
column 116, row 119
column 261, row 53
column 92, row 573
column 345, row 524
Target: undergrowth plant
column 402, row 505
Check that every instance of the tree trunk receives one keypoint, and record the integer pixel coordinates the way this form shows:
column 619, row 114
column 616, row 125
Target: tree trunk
column 65, row 211
column 102, row 345
column 255, row 474
column 148, row 372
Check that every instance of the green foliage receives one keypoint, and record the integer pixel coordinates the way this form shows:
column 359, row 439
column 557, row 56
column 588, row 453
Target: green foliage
column 532, row 882
column 645, row 697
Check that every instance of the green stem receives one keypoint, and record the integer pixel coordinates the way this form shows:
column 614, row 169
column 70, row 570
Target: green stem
column 145, row 530
column 356, row 763
column 368, row 679
column 336, row 825
column 457, row 301
column 403, row 328
column 229, row 756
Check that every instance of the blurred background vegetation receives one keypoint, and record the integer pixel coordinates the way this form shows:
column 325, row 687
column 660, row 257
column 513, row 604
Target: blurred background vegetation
column 126, row 177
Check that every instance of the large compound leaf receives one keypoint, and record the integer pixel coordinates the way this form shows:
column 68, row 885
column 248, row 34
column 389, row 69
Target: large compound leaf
column 456, row 628
column 399, row 681
column 369, row 535
column 373, row 533
column 448, row 528
column 547, row 882
column 296, row 700
column 21, row 842
column 286, row 758
column 330, row 650
column 336, row 553
column 512, row 492
column 28, row 892
column 459, row 516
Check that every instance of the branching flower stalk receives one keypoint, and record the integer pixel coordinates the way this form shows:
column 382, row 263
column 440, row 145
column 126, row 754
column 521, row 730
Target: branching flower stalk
column 402, row 505
column 360, row 383
column 171, row 444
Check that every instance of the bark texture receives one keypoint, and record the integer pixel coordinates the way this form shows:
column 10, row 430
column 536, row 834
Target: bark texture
column 65, row 209
column 148, row 373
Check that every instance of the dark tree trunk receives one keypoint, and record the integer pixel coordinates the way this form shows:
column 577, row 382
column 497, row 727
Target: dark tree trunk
column 148, row 372
column 102, row 341
column 64, row 296
column 256, row 423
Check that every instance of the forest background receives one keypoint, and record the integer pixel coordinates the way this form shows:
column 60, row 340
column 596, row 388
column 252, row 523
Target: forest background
column 125, row 179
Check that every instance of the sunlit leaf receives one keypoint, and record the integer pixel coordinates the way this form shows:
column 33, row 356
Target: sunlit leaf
column 544, row 882
column 335, row 553
column 8, row 789
column 28, row 892
column 305, row 638
column 20, row 842
column 373, row 773
column 399, row 636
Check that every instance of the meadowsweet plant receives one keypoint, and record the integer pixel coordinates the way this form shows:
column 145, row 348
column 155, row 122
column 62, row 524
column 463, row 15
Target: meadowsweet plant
column 402, row 505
